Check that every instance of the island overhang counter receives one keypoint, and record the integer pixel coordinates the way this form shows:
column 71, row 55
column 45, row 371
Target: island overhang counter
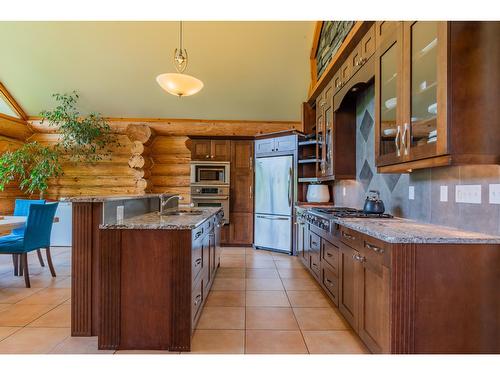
column 155, row 274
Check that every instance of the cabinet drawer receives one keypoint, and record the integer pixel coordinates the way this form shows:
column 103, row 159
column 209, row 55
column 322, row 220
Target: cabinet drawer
column 330, row 254
column 196, row 301
column 314, row 241
column 196, row 261
column 351, row 238
column 316, row 265
column 376, row 253
column 197, row 233
column 330, row 281
column 287, row 143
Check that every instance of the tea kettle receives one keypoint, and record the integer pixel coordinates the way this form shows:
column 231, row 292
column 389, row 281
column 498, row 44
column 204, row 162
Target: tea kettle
column 373, row 203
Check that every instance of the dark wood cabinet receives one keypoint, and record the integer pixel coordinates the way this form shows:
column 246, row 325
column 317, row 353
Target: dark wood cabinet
column 241, row 229
column 432, row 81
column 210, row 149
column 242, row 176
column 348, row 290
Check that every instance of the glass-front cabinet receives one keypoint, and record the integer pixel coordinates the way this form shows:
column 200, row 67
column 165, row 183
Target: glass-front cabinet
column 411, row 87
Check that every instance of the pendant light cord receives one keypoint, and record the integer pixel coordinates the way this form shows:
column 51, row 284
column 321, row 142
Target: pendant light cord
column 180, row 35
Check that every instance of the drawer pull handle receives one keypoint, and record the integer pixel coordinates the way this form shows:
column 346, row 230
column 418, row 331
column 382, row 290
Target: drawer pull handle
column 358, row 258
column 197, row 262
column 329, row 255
column 197, row 300
column 314, row 243
column 329, row 281
column 374, row 248
column 348, row 236
column 198, row 234
column 315, row 265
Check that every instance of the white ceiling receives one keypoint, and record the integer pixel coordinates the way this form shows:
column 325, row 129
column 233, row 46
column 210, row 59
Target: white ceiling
column 251, row 70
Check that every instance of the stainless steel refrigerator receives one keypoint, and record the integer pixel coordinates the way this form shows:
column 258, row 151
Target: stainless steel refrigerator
column 274, row 199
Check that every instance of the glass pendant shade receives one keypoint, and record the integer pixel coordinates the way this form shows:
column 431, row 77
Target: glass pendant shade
column 179, row 84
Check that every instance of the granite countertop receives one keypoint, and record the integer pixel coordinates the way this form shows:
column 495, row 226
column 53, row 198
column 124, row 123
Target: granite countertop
column 154, row 221
column 106, row 198
column 399, row 230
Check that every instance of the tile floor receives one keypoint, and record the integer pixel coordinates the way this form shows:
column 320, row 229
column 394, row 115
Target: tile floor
column 261, row 302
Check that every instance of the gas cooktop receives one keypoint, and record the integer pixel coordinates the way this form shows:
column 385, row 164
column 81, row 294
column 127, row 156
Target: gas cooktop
column 347, row 212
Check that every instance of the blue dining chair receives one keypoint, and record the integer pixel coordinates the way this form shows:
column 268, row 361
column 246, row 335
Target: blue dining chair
column 21, row 208
column 36, row 236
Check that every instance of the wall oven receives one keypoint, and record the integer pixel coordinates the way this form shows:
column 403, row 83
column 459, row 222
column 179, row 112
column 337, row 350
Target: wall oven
column 210, row 173
column 211, row 196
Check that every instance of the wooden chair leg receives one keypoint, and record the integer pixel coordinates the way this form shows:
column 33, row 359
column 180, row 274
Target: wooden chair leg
column 49, row 261
column 15, row 261
column 20, row 264
column 24, row 262
column 40, row 259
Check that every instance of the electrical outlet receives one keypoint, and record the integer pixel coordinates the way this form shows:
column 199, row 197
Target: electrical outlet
column 468, row 194
column 119, row 213
column 443, row 193
column 494, row 193
column 344, row 191
column 411, row 192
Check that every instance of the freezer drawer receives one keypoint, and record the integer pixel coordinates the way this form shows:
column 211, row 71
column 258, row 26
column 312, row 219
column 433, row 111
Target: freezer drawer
column 273, row 232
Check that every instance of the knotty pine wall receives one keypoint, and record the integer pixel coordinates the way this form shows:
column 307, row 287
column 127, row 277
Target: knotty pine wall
column 168, row 151
column 13, row 134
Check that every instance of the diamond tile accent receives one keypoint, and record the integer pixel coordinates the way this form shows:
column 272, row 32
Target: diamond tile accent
column 366, row 125
column 366, row 175
column 391, row 180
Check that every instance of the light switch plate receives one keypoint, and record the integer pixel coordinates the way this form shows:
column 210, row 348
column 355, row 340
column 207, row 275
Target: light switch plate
column 344, row 191
column 411, row 192
column 468, row 194
column 119, row 213
column 443, row 193
column 494, row 193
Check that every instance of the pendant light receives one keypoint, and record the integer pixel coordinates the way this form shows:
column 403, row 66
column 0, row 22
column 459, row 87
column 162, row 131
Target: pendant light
column 179, row 84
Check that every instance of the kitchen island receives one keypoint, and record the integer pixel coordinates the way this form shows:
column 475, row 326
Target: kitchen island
column 155, row 274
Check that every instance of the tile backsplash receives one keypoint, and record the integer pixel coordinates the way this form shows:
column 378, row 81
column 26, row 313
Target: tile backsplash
column 426, row 205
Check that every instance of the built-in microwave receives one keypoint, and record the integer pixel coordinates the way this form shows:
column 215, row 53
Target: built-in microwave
column 209, row 173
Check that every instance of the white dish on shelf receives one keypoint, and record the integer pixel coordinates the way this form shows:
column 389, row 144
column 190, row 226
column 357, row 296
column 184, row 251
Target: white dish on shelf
column 389, row 132
column 433, row 109
column 391, row 103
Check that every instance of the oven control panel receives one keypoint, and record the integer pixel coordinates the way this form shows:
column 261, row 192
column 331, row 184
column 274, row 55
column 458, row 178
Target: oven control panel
column 318, row 221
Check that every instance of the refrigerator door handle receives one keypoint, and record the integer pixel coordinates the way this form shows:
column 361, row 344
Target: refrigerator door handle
column 290, row 178
column 272, row 218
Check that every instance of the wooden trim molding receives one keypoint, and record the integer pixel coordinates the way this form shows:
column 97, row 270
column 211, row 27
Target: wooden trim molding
column 12, row 103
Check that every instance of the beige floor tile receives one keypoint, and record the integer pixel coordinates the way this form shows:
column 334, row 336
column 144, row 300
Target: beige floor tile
column 281, row 256
column 221, row 283
column 308, row 298
column 232, row 261
column 222, row 318
column 21, row 315
column 274, row 342
column 251, row 262
column 276, row 318
column 14, row 295
column 36, row 281
column 68, row 302
column 145, row 352
column 64, row 283
column 319, row 319
column 280, row 264
column 262, row 273
column 264, row 253
column 58, row 317
column 5, row 306
column 33, row 340
column 79, row 345
column 232, row 273
column 333, row 342
column 264, row 284
column 261, row 257
column 300, row 284
column 52, row 296
column 226, row 298
column 218, row 341
column 63, row 271
column 233, row 251
column 265, row 298
column 7, row 331
column 294, row 273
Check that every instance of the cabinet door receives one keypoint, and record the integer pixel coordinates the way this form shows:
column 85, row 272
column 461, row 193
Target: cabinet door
column 329, row 130
column 221, row 150
column 388, row 101
column 385, row 30
column 320, row 133
column 212, row 252
column 241, row 228
column 373, row 319
column 200, row 149
column 241, row 176
column 306, row 253
column 348, row 289
column 264, row 146
column 300, row 240
column 206, row 258
column 424, row 127
column 286, row 143
column 315, row 253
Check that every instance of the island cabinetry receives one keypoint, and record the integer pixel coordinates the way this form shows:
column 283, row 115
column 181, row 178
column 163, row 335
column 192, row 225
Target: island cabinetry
column 154, row 284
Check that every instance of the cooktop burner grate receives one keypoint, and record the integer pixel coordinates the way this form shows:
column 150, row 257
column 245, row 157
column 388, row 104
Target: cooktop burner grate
column 347, row 212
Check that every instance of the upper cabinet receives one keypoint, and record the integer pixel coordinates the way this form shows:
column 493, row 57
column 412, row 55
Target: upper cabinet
column 433, row 95
column 273, row 145
column 210, row 149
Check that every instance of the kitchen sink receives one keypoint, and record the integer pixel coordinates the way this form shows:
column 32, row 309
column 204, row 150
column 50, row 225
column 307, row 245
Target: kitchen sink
column 180, row 212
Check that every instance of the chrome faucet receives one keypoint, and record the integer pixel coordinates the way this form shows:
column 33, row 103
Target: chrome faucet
column 164, row 201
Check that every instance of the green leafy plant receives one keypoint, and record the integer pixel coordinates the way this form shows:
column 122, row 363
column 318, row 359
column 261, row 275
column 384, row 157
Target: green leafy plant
column 83, row 138
column 32, row 165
